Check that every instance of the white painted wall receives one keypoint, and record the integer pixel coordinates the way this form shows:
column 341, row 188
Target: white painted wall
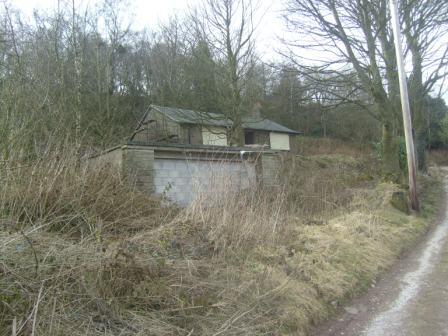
column 215, row 136
column 279, row 141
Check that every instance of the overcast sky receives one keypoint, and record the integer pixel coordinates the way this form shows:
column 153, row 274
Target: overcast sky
column 148, row 13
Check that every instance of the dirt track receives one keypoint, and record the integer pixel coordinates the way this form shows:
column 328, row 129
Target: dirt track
column 410, row 301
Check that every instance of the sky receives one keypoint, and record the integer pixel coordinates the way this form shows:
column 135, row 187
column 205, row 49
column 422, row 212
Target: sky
column 149, row 13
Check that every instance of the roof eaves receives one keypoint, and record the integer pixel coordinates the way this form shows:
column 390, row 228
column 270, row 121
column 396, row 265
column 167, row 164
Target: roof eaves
column 272, row 130
column 266, row 124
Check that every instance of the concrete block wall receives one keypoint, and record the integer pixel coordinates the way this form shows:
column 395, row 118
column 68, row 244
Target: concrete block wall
column 182, row 180
column 171, row 180
column 182, row 175
column 138, row 166
column 269, row 169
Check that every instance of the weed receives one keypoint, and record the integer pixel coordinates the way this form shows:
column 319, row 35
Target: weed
column 82, row 254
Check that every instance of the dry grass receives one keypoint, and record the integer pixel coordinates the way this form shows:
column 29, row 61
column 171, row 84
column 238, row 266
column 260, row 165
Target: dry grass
column 61, row 194
column 93, row 258
column 438, row 157
column 323, row 146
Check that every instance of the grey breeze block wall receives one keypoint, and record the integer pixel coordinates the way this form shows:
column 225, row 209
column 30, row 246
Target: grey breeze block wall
column 182, row 177
column 184, row 180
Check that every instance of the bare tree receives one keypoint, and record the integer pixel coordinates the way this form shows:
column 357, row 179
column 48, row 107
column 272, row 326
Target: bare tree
column 424, row 23
column 77, row 61
column 342, row 36
column 228, row 27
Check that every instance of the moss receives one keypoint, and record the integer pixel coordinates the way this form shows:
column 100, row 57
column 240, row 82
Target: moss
column 399, row 200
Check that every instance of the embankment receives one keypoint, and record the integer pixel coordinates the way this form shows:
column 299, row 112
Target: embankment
column 82, row 255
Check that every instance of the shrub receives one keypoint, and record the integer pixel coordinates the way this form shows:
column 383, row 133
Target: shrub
column 58, row 191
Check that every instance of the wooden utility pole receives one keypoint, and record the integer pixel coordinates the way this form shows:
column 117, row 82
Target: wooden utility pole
column 405, row 106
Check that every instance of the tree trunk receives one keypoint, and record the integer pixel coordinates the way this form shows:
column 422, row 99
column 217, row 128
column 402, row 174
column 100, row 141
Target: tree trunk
column 236, row 134
column 390, row 164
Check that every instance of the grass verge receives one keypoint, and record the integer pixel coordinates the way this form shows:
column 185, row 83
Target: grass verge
column 95, row 259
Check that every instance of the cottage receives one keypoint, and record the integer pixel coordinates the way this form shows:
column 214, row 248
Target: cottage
column 183, row 154
column 181, row 126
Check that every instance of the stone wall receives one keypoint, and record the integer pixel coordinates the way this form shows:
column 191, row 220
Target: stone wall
column 269, row 169
column 138, row 166
column 262, row 138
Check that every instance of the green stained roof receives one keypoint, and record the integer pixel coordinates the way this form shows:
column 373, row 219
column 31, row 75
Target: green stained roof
column 264, row 124
column 184, row 116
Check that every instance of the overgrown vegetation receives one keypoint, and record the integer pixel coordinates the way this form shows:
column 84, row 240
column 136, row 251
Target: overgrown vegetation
column 88, row 76
column 81, row 254
column 355, row 38
column 321, row 146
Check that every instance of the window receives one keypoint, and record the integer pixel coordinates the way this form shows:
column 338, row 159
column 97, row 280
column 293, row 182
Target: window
column 249, row 138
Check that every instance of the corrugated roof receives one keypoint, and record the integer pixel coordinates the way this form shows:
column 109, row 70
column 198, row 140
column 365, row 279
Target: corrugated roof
column 184, row 116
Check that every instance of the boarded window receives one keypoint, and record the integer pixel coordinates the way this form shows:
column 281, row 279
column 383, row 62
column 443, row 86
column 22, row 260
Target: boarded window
column 279, row 141
column 215, row 136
